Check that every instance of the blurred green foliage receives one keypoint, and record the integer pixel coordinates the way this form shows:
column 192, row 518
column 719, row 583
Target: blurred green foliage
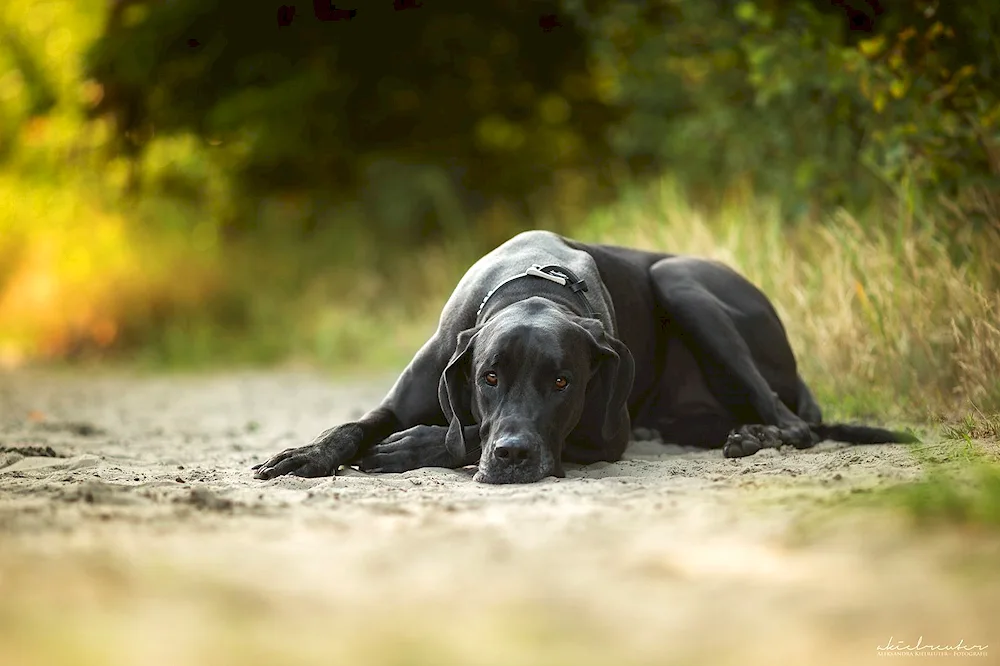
column 471, row 92
column 473, row 102
column 789, row 97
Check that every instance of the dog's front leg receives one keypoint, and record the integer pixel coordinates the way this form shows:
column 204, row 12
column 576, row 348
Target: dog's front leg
column 331, row 448
column 410, row 402
column 420, row 446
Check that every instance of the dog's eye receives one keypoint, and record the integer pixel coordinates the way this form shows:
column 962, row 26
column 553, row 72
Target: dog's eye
column 561, row 383
column 490, row 378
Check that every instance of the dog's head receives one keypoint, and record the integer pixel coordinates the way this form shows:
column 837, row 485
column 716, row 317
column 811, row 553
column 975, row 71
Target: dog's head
column 528, row 377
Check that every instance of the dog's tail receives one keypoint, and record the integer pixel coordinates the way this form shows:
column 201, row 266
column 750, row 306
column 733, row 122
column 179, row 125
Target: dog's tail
column 859, row 434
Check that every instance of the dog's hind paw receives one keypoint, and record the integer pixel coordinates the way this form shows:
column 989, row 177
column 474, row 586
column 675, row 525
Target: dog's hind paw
column 749, row 439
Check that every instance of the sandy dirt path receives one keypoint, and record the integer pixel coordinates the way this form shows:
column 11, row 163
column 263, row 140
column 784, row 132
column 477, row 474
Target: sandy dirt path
column 145, row 540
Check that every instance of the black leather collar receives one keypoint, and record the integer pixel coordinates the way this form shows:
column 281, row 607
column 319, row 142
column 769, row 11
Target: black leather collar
column 553, row 273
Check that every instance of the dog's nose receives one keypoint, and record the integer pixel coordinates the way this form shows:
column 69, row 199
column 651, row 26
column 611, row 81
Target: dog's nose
column 513, row 450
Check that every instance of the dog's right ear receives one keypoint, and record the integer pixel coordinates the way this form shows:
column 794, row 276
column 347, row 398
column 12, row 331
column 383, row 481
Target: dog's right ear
column 454, row 392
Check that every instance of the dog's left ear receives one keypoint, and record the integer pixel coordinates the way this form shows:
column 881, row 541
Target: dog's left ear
column 454, row 392
column 612, row 380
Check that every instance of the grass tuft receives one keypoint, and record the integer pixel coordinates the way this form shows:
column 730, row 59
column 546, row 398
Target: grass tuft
column 962, row 480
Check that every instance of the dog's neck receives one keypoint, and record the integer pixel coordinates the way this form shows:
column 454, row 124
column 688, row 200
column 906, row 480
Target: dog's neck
column 554, row 283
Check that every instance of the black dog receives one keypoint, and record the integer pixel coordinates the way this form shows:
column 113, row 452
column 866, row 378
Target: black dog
column 551, row 350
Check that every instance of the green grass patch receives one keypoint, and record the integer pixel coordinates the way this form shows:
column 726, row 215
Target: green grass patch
column 962, row 481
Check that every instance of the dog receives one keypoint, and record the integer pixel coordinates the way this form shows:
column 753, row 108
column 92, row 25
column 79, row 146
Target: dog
column 550, row 351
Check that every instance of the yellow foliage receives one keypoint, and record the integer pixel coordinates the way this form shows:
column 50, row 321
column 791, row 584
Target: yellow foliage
column 966, row 71
column 68, row 273
column 870, row 48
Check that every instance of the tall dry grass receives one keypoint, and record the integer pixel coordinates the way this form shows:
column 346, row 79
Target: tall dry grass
column 896, row 314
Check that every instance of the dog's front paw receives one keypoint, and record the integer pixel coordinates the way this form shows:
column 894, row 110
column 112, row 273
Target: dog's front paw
column 749, row 439
column 331, row 449
column 419, row 446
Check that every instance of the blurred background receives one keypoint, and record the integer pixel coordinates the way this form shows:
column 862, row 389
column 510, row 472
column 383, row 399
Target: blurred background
column 190, row 184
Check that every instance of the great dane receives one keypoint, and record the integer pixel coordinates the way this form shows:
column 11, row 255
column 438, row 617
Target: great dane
column 552, row 350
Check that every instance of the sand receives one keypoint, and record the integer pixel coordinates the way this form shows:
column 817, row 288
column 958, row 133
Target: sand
column 133, row 532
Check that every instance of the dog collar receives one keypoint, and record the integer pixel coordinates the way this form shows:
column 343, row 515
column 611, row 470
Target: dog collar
column 553, row 273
